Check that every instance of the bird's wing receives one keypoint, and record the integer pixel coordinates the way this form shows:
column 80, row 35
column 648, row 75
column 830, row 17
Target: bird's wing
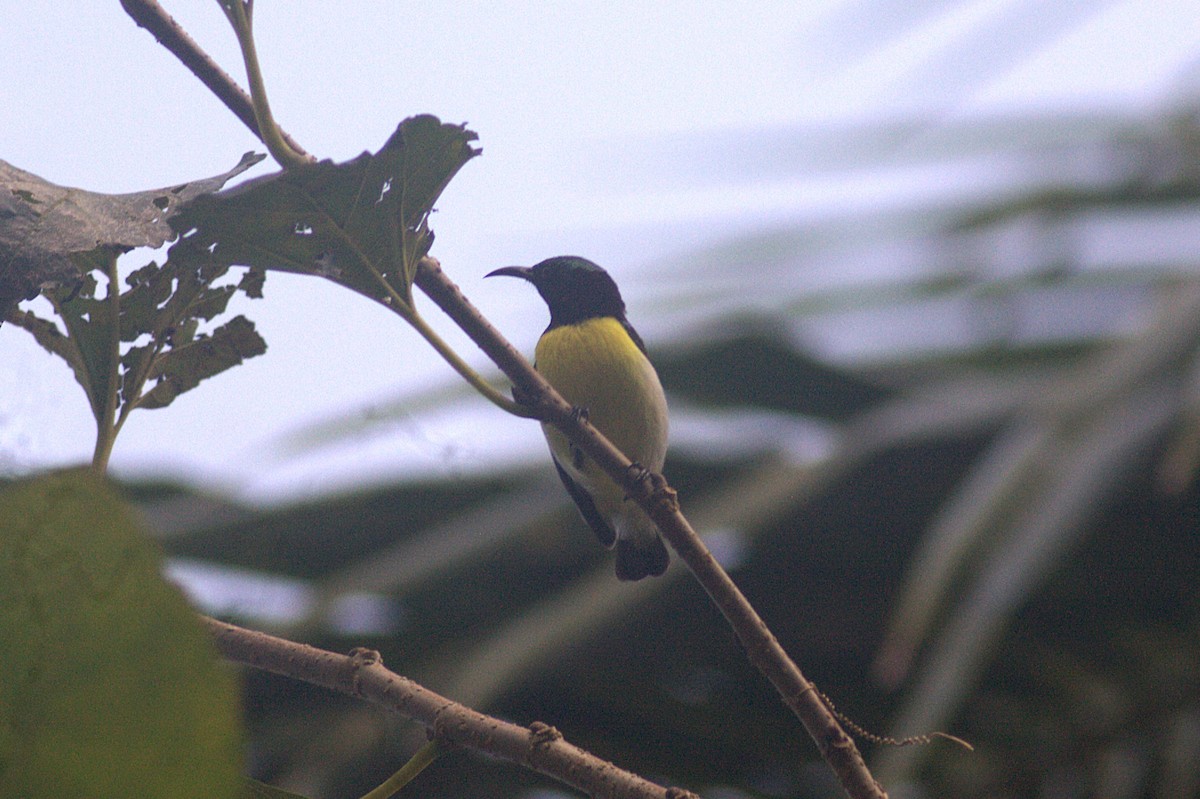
column 587, row 507
column 633, row 334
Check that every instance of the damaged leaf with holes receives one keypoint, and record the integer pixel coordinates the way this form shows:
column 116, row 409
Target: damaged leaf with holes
column 150, row 328
column 363, row 223
column 49, row 232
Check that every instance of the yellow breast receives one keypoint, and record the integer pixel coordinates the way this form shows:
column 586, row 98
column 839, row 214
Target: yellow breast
column 596, row 365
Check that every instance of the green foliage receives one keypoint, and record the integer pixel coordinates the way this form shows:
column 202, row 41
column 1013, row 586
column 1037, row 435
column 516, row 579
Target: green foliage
column 756, row 368
column 363, row 223
column 137, row 347
column 108, row 685
column 89, row 588
column 1022, row 459
column 162, row 306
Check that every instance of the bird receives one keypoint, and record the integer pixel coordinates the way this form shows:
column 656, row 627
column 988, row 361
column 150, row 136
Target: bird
column 596, row 360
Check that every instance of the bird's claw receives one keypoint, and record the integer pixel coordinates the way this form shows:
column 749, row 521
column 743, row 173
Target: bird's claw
column 640, row 474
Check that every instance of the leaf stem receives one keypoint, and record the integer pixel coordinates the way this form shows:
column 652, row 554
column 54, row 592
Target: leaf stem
column 416, row 764
column 106, row 427
column 239, row 13
column 408, row 312
column 489, row 392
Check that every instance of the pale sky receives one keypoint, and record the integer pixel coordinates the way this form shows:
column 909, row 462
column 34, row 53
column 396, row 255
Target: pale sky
column 576, row 104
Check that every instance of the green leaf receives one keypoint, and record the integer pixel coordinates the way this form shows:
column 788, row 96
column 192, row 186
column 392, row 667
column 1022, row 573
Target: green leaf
column 108, row 684
column 164, row 304
column 51, row 339
column 354, row 222
column 182, row 367
column 252, row 283
column 167, row 304
column 89, row 323
column 45, row 227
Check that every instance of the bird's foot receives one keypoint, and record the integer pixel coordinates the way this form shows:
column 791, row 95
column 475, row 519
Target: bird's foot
column 640, row 474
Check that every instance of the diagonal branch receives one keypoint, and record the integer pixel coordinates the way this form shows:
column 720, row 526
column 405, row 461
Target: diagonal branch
column 660, row 501
column 651, row 492
column 362, row 674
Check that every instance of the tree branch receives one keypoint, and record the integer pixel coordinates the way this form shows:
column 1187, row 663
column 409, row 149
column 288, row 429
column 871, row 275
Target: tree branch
column 660, row 501
column 651, row 492
column 362, row 674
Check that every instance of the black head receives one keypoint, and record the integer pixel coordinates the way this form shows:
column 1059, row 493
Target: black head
column 574, row 288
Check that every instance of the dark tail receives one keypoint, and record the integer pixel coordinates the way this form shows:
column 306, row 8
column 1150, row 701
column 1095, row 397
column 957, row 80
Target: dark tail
column 641, row 558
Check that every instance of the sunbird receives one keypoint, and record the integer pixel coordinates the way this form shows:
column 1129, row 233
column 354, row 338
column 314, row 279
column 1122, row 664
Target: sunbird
column 596, row 360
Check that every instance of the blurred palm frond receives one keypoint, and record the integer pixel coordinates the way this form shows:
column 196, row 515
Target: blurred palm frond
column 999, row 527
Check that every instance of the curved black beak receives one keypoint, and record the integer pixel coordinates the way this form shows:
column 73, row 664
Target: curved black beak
column 523, row 272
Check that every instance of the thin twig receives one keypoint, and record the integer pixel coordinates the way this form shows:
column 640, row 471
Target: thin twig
column 240, row 15
column 408, row 772
column 106, row 419
column 362, row 674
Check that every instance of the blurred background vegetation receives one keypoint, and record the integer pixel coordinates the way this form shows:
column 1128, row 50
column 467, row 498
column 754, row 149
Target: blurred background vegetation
column 947, row 446
column 948, row 451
